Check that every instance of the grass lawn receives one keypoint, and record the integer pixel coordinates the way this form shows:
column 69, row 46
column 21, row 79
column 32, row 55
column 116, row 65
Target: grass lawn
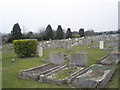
column 10, row 70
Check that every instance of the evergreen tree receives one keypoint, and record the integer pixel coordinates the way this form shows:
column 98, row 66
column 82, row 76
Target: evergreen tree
column 59, row 33
column 68, row 33
column 16, row 32
column 49, row 32
column 30, row 34
column 81, row 32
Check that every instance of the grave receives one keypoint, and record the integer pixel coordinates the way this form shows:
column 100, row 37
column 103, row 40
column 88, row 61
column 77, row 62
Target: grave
column 33, row 73
column 60, row 75
column 110, row 59
column 79, row 58
column 95, row 76
column 56, row 61
column 68, row 48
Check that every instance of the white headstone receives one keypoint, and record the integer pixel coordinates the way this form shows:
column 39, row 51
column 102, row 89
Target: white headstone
column 69, row 38
column 40, row 50
column 47, row 41
column 76, row 39
column 101, row 44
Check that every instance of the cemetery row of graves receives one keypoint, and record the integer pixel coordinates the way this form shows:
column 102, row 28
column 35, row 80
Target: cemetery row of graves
column 76, row 63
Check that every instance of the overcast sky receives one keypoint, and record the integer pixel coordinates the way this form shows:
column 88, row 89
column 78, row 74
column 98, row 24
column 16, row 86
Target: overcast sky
column 99, row 15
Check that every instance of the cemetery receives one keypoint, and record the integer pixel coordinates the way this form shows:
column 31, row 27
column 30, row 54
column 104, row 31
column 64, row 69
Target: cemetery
column 89, row 64
column 52, row 44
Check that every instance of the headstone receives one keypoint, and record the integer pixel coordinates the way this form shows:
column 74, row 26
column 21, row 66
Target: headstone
column 57, row 58
column 69, row 38
column 76, row 39
column 47, row 41
column 79, row 58
column 101, row 44
column 40, row 50
column 68, row 47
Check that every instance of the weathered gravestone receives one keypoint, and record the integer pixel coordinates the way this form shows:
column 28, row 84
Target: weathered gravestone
column 68, row 47
column 79, row 59
column 57, row 58
column 40, row 50
column 101, row 44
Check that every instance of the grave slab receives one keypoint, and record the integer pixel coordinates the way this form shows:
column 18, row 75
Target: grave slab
column 33, row 73
column 95, row 76
column 110, row 59
column 57, row 77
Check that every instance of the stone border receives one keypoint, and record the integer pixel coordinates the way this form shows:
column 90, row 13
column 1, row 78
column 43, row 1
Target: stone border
column 23, row 74
column 99, row 61
column 107, row 78
column 94, row 84
column 45, row 78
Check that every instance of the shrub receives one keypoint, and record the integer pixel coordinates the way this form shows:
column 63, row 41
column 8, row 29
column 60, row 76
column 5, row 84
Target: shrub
column 25, row 47
column 77, row 36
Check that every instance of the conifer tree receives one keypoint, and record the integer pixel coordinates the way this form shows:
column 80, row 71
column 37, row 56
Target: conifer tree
column 68, row 33
column 59, row 33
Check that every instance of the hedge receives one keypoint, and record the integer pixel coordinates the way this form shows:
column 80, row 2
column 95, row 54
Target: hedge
column 25, row 47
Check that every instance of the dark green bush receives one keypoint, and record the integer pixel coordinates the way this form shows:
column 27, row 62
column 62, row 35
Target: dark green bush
column 25, row 47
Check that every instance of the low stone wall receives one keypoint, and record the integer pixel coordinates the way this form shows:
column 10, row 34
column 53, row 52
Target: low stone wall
column 33, row 73
column 93, row 82
column 46, row 78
